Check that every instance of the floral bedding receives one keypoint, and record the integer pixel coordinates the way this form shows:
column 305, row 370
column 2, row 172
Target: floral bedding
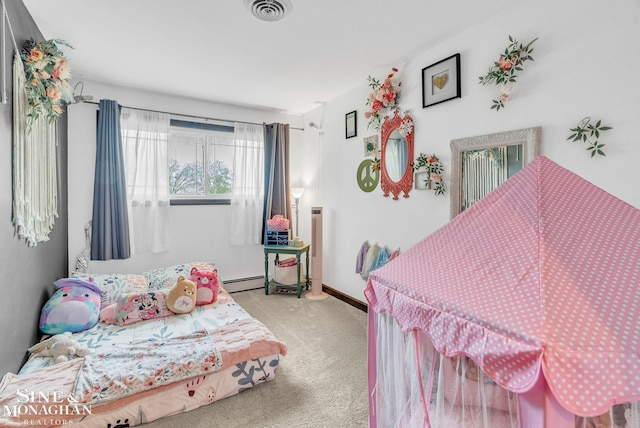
column 105, row 338
column 245, row 353
column 107, row 376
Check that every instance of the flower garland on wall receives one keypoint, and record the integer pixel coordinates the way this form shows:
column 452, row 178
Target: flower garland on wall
column 503, row 72
column 47, row 73
column 383, row 97
column 589, row 133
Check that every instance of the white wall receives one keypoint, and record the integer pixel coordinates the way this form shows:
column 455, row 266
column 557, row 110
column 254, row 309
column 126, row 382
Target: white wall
column 197, row 233
column 586, row 64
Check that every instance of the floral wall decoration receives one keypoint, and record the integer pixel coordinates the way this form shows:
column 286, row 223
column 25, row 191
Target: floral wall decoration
column 589, row 133
column 384, row 97
column 406, row 126
column 503, row 72
column 47, row 73
column 40, row 87
column 433, row 177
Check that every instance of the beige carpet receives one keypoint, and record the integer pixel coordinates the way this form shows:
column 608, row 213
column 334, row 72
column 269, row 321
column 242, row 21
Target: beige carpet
column 321, row 382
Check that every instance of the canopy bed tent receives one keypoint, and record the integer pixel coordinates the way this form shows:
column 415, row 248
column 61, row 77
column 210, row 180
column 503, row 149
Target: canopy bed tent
column 520, row 312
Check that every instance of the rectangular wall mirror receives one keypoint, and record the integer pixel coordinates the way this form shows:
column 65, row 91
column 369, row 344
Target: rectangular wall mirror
column 480, row 164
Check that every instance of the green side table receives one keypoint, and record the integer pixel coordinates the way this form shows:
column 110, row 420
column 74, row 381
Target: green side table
column 282, row 249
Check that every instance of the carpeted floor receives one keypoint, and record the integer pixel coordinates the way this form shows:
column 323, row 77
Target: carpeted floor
column 321, row 382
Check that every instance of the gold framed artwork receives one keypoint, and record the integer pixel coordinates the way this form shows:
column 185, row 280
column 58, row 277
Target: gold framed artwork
column 441, row 81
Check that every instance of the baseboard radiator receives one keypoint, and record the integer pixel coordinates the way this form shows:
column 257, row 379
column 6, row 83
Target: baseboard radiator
column 243, row 284
column 254, row 282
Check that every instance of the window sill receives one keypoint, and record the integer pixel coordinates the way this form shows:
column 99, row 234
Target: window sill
column 200, row 202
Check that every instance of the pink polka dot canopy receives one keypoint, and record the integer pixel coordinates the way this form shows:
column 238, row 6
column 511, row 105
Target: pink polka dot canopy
column 541, row 275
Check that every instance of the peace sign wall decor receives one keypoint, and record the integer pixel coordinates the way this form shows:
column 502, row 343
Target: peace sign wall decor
column 368, row 175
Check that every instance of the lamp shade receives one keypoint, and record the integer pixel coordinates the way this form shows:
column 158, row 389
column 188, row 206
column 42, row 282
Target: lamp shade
column 297, row 192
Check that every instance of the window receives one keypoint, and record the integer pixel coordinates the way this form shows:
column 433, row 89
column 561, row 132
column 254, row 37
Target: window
column 200, row 163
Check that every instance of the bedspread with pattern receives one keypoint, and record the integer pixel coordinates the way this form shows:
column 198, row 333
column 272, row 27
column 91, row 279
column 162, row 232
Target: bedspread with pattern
column 245, row 353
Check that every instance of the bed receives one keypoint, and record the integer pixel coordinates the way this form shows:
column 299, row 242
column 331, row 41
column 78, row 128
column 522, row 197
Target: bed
column 147, row 370
column 520, row 312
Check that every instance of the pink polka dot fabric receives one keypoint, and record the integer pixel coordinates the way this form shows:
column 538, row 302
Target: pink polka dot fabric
column 541, row 274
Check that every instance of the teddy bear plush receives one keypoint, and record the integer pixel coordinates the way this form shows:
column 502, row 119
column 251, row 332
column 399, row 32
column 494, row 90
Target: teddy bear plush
column 208, row 285
column 60, row 347
column 182, row 296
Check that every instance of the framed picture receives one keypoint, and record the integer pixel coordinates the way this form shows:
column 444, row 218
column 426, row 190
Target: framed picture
column 441, row 81
column 350, row 125
column 421, row 180
column 371, row 146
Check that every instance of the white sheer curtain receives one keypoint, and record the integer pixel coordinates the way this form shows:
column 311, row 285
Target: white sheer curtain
column 416, row 387
column 489, row 169
column 145, row 140
column 247, row 199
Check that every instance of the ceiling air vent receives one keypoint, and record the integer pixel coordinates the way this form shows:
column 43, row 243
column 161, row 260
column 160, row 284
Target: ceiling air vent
column 268, row 10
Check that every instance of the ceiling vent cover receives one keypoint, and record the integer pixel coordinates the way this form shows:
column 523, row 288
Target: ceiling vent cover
column 268, row 10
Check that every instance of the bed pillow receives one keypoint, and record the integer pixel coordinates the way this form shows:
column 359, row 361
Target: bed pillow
column 115, row 284
column 135, row 307
column 164, row 278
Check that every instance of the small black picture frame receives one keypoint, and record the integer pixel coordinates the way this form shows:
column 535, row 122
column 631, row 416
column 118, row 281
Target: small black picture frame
column 441, row 81
column 350, row 124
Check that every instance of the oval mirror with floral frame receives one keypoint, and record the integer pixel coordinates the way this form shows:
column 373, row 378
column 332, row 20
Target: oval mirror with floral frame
column 480, row 164
column 396, row 155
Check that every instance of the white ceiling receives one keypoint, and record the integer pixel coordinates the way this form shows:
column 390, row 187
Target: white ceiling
column 217, row 50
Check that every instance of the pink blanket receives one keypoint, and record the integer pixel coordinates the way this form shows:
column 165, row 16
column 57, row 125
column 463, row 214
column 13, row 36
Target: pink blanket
column 34, row 397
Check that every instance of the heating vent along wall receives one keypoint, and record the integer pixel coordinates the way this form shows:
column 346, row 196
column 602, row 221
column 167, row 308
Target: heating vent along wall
column 316, row 292
column 243, row 284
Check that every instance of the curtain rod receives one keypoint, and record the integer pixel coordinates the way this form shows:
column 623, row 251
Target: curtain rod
column 189, row 115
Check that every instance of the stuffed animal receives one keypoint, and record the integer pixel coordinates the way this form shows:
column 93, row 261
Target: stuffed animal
column 60, row 347
column 75, row 306
column 182, row 296
column 208, row 285
column 617, row 417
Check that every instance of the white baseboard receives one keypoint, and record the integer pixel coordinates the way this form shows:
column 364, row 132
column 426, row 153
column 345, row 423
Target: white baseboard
column 243, row 284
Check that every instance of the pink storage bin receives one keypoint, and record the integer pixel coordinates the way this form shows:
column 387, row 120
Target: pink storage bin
column 278, row 222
